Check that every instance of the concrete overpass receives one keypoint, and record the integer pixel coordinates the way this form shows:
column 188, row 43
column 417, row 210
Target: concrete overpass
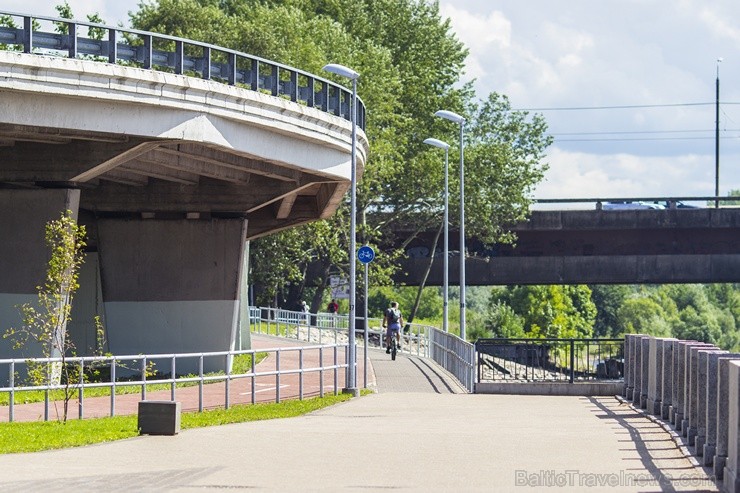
column 170, row 173
column 598, row 247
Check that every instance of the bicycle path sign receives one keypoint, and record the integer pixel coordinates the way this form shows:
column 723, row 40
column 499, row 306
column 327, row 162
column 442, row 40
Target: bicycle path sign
column 365, row 254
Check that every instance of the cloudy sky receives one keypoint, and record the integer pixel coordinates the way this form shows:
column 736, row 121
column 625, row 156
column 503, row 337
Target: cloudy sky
column 627, row 86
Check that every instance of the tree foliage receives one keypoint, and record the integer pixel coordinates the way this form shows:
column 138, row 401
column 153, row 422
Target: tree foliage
column 410, row 64
column 44, row 324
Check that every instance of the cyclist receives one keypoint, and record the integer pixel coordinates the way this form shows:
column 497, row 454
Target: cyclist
column 393, row 320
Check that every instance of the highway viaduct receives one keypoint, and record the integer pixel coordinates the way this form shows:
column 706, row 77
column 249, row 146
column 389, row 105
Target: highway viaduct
column 170, row 173
column 595, row 247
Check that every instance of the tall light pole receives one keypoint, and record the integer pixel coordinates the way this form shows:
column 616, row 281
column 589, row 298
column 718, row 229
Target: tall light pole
column 454, row 117
column 716, row 140
column 446, row 277
column 351, row 383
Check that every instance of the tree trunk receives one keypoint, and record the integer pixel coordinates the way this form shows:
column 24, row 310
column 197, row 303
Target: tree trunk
column 415, row 308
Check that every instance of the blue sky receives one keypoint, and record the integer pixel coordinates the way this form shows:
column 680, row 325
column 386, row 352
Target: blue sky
column 656, row 57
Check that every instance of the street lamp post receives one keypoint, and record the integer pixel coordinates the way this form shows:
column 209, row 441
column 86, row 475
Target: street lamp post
column 351, row 383
column 716, row 139
column 446, row 277
column 454, row 117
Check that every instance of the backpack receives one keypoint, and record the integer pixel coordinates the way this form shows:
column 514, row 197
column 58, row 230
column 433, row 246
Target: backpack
column 394, row 315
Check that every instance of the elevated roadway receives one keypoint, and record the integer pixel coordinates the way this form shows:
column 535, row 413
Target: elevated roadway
column 596, row 246
column 172, row 160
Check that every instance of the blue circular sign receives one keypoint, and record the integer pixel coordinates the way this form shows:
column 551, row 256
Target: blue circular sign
column 365, row 254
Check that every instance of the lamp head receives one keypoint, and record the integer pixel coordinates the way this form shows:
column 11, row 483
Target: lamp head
column 437, row 143
column 449, row 115
column 337, row 69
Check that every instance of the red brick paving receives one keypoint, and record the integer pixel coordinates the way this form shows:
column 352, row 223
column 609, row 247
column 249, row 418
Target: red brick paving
column 214, row 394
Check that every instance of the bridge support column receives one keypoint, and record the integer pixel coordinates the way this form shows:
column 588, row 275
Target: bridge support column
column 172, row 286
column 23, row 251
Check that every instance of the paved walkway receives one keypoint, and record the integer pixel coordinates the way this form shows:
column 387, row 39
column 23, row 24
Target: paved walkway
column 415, row 434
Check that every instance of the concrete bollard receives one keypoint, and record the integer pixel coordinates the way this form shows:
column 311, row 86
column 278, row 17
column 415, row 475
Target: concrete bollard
column 159, row 418
column 628, row 348
column 723, row 416
column 679, row 382
column 644, row 370
column 710, row 445
column 637, row 370
column 691, row 404
column 731, row 481
column 702, row 395
column 673, row 409
column 667, row 378
column 655, row 376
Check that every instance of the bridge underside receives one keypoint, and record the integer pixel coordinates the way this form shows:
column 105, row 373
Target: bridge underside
column 171, row 176
column 598, row 247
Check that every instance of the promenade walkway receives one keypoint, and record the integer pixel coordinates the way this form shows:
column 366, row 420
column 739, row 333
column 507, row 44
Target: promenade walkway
column 417, row 433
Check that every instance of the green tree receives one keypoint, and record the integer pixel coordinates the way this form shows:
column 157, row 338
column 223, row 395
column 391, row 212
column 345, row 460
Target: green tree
column 44, row 324
column 549, row 311
column 607, row 299
column 410, row 63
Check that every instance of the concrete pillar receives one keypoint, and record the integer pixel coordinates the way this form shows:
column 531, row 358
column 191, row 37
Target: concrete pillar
column 732, row 466
column 23, row 253
column 690, row 392
column 644, row 370
column 673, row 409
column 631, row 363
column 172, row 286
column 637, row 370
column 699, row 422
column 627, row 366
column 723, row 416
column 667, row 380
column 710, row 444
column 681, row 383
column 655, row 376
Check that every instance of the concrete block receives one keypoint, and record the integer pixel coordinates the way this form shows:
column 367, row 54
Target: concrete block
column 666, row 386
column 644, row 370
column 732, row 465
column 691, row 405
column 710, row 443
column 723, row 416
column 636, row 370
column 702, row 396
column 159, row 417
column 655, row 376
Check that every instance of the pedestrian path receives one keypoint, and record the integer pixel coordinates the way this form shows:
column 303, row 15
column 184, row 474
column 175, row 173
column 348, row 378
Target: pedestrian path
column 417, row 433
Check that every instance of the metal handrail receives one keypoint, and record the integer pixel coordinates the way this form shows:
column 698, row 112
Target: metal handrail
column 548, row 359
column 279, row 80
column 201, row 378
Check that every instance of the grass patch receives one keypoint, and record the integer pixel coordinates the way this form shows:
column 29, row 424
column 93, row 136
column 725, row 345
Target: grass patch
column 38, row 436
column 242, row 364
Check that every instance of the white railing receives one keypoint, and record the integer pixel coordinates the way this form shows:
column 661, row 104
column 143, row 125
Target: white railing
column 320, row 327
column 448, row 350
column 454, row 355
column 141, row 363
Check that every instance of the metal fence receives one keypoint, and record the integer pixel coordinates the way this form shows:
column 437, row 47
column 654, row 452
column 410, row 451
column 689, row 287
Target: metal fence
column 454, row 355
column 326, row 359
column 117, row 45
column 549, row 359
column 322, row 327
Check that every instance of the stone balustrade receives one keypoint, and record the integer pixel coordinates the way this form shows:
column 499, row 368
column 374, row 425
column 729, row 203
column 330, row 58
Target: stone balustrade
column 695, row 388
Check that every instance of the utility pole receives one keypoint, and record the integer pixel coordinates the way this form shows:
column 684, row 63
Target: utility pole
column 716, row 140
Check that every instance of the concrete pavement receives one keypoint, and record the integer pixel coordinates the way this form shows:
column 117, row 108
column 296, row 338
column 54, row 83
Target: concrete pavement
column 400, row 438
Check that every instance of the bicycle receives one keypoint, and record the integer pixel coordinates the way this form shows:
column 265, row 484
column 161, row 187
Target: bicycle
column 394, row 347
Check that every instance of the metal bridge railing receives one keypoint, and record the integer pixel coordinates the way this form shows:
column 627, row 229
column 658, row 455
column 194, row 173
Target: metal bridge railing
column 549, row 359
column 327, row 358
column 321, row 327
column 454, row 355
column 152, row 51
